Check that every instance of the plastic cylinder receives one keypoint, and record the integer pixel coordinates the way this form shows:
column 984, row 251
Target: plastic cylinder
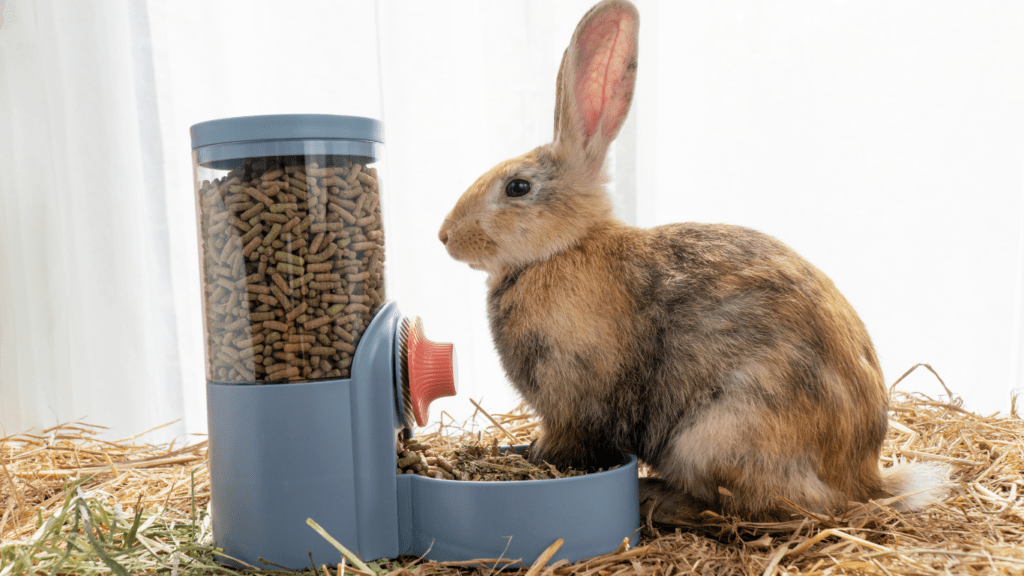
column 291, row 243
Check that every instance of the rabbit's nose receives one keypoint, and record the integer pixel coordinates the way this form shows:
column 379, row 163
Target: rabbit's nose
column 443, row 236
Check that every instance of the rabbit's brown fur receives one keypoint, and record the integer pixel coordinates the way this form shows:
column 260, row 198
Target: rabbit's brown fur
column 714, row 353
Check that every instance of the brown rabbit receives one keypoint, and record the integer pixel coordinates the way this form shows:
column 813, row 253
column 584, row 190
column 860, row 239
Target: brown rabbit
column 714, row 353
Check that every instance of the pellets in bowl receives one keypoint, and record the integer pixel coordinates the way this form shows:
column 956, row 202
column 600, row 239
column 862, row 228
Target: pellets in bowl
column 293, row 267
column 476, row 462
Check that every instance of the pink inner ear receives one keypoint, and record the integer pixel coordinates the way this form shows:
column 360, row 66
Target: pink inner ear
column 605, row 50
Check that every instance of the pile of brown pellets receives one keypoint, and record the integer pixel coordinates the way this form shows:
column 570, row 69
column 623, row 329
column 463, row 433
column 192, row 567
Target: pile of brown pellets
column 293, row 255
column 475, row 462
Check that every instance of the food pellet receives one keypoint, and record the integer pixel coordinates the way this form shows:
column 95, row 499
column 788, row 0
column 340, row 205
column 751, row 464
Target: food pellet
column 292, row 267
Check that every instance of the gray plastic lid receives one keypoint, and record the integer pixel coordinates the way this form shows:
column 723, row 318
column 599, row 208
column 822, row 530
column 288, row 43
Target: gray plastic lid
column 223, row 144
column 286, row 127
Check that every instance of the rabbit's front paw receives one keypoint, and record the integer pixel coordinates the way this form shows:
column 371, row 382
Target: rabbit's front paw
column 565, row 453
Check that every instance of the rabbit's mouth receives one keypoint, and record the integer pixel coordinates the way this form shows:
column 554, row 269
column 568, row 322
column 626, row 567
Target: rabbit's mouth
column 463, row 249
column 454, row 254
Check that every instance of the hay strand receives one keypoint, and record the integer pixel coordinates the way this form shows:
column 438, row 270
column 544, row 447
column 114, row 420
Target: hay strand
column 546, row 555
column 356, row 562
column 512, row 437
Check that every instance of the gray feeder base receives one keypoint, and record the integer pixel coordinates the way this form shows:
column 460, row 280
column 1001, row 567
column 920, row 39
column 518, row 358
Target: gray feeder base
column 282, row 453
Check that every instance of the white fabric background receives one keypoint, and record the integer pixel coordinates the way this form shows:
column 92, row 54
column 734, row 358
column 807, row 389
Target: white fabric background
column 884, row 141
column 87, row 326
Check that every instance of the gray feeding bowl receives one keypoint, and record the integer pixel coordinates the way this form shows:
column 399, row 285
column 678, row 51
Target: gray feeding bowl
column 455, row 520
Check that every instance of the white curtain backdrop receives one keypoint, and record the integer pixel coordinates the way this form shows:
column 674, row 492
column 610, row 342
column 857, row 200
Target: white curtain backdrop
column 884, row 141
column 87, row 325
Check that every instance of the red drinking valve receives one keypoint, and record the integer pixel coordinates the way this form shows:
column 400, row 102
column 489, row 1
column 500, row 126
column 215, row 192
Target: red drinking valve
column 431, row 371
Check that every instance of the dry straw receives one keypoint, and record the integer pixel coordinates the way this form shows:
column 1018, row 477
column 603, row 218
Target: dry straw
column 73, row 503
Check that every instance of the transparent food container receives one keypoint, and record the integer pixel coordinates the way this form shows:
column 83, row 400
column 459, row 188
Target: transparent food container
column 291, row 243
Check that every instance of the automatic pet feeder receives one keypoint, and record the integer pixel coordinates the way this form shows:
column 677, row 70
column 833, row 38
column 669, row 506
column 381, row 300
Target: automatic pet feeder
column 312, row 375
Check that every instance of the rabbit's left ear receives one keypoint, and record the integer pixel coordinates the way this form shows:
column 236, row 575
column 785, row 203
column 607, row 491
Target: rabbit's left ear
column 596, row 79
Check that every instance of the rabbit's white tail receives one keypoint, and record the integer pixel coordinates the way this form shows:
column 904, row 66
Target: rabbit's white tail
column 922, row 483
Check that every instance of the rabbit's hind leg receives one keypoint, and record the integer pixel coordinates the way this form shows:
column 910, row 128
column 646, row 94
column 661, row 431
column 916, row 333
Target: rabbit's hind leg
column 666, row 504
column 740, row 459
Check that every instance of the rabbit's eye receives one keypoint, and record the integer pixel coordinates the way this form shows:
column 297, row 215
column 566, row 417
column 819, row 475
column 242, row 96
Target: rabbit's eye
column 517, row 187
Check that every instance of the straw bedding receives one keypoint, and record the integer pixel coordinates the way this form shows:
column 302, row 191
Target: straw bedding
column 73, row 503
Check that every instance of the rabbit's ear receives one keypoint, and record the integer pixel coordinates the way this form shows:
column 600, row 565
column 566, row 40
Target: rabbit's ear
column 596, row 79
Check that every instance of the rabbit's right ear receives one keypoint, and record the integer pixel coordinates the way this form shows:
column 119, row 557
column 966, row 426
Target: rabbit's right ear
column 595, row 81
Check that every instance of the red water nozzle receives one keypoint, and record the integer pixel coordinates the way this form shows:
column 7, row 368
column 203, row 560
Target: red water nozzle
column 431, row 371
